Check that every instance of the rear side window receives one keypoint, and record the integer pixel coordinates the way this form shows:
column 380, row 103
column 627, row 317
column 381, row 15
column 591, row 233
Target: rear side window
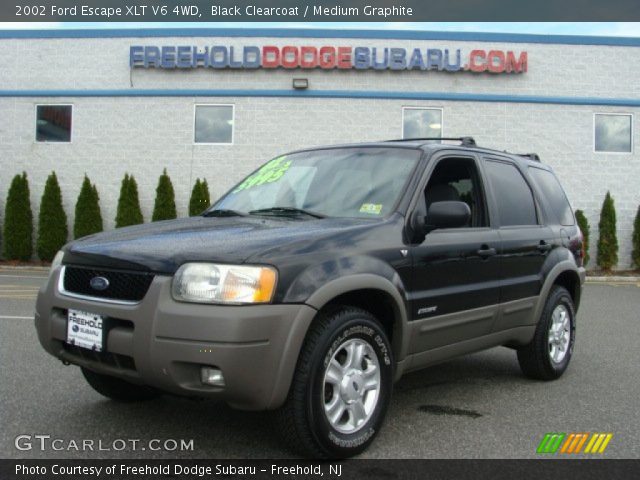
column 513, row 195
column 554, row 194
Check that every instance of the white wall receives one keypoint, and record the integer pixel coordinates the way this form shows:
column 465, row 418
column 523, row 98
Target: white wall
column 143, row 135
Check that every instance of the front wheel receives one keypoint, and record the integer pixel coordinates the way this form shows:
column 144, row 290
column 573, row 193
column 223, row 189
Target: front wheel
column 341, row 388
column 547, row 356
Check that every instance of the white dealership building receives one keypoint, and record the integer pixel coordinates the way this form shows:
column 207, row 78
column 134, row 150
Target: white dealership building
column 217, row 103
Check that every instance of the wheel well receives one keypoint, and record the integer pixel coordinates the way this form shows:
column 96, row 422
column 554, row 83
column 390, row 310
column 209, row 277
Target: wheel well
column 571, row 282
column 377, row 302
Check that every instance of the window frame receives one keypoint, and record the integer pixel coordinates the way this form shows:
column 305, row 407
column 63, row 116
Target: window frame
column 35, row 118
column 540, row 217
column 614, row 114
column 431, row 162
column 410, row 107
column 548, row 208
column 233, row 126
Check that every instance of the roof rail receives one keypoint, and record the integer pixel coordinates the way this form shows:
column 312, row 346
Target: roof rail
column 531, row 156
column 466, row 141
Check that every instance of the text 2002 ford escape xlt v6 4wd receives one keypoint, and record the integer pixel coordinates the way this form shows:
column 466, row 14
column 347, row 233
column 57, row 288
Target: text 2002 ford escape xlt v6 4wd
column 320, row 279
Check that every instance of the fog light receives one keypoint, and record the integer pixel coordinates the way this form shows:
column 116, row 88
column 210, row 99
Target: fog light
column 211, row 376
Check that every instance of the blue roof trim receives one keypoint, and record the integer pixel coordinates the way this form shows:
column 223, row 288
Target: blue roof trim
column 362, row 94
column 323, row 33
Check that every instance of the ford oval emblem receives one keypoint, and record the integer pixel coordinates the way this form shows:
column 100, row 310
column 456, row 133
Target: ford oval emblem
column 99, row 283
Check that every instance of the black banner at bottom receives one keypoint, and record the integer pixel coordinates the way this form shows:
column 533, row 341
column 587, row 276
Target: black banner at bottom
column 600, row 469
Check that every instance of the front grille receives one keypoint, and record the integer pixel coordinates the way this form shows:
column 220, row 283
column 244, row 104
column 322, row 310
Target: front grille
column 123, row 285
column 106, row 358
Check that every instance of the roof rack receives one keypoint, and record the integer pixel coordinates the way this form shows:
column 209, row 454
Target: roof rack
column 466, row 141
column 531, row 156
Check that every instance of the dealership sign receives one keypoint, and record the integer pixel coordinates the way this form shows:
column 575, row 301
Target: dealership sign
column 327, row 58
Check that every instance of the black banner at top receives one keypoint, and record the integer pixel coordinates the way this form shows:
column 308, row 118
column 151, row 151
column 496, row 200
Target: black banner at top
column 316, row 10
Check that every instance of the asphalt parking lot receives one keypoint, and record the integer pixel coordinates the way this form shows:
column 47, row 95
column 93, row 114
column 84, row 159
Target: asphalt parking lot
column 478, row 406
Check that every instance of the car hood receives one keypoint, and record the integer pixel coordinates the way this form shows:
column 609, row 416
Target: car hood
column 163, row 246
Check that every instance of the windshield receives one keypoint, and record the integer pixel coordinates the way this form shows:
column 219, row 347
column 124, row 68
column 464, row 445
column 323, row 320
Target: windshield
column 347, row 182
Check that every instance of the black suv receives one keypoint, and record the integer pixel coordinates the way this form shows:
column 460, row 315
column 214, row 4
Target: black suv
column 319, row 280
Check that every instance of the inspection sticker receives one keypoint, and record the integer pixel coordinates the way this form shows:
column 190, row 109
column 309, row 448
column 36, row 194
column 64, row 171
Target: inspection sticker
column 372, row 208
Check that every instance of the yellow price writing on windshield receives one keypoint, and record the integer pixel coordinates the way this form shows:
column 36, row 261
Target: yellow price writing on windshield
column 269, row 173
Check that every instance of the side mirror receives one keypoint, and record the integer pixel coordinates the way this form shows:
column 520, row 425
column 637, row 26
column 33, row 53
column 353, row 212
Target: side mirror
column 447, row 215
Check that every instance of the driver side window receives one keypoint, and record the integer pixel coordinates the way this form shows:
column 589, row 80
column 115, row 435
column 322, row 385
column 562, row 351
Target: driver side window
column 457, row 179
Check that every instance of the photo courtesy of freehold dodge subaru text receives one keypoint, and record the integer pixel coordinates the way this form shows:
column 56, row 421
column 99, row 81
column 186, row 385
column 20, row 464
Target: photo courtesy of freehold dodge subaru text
column 368, row 240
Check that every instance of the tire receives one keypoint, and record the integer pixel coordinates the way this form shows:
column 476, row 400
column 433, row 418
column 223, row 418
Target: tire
column 117, row 389
column 328, row 377
column 547, row 356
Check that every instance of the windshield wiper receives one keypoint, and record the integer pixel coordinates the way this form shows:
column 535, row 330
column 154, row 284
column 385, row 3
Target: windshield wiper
column 287, row 211
column 224, row 212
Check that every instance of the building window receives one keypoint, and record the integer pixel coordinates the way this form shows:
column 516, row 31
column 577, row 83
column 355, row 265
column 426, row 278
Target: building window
column 612, row 132
column 421, row 122
column 213, row 124
column 53, row 123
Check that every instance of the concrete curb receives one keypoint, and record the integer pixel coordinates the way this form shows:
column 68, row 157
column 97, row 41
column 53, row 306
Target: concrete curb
column 613, row 279
column 23, row 268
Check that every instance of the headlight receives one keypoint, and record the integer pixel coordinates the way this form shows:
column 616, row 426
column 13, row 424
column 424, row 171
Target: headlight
column 57, row 261
column 212, row 283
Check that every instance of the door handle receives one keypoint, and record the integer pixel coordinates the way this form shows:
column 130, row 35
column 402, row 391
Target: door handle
column 486, row 252
column 544, row 246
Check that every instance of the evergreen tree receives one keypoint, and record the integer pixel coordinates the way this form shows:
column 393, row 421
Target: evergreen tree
column 88, row 218
column 165, row 204
column 52, row 221
column 205, row 194
column 129, row 212
column 18, row 221
column 608, row 241
column 635, row 241
column 200, row 200
column 583, row 223
column 194, row 200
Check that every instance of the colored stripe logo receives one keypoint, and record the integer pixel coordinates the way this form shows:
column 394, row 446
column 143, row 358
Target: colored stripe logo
column 574, row 443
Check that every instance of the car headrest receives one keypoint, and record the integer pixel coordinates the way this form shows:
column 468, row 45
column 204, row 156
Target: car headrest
column 441, row 193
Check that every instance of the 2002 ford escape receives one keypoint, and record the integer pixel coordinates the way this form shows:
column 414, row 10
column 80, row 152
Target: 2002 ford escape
column 322, row 278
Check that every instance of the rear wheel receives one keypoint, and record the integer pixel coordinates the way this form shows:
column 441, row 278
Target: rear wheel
column 549, row 353
column 341, row 388
column 117, row 389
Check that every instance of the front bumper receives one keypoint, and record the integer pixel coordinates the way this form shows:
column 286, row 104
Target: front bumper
column 164, row 343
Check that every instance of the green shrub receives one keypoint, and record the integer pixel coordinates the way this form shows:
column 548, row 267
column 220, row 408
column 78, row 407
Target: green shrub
column 608, row 241
column 52, row 221
column 200, row 199
column 88, row 219
column 165, row 205
column 18, row 221
column 583, row 223
column 635, row 242
column 205, row 194
column 128, row 212
column 194, row 200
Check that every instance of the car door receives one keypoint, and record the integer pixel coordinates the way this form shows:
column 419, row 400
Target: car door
column 455, row 287
column 526, row 241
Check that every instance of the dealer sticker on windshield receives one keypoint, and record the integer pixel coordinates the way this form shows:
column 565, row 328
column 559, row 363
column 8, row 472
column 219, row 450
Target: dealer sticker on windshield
column 372, row 208
column 85, row 330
